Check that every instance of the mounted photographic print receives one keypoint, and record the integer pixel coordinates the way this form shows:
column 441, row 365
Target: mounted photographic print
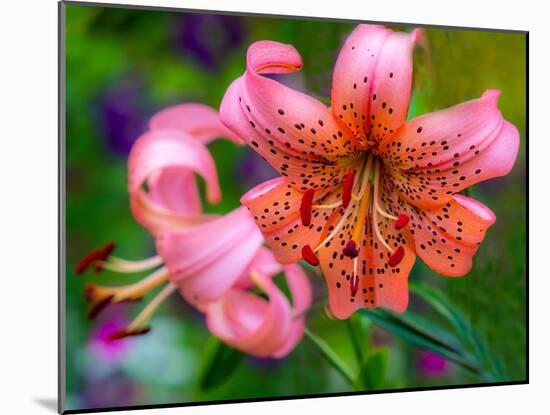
column 260, row 207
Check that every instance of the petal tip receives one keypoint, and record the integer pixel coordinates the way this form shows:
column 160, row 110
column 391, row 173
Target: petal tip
column 260, row 190
column 492, row 94
column 417, row 36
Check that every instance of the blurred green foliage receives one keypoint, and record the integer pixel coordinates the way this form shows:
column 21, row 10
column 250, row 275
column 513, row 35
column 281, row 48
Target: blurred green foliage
column 109, row 46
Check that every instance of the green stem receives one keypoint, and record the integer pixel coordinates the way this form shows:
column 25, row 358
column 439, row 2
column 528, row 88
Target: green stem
column 352, row 330
column 331, row 356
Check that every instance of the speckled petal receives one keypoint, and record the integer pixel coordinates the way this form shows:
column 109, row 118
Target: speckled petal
column 379, row 284
column 372, row 80
column 275, row 206
column 295, row 133
column 439, row 154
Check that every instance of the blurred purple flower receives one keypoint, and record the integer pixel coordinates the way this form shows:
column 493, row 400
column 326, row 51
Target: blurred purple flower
column 432, row 364
column 103, row 349
column 122, row 115
column 208, row 38
column 253, row 170
column 117, row 390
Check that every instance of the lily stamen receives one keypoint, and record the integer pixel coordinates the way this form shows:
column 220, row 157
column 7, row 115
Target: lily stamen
column 354, row 285
column 100, row 254
column 145, row 315
column 127, row 267
column 377, row 193
column 401, row 221
column 377, row 232
column 397, row 256
column 121, row 334
column 309, row 256
column 102, row 296
column 364, row 185
column 305, row 206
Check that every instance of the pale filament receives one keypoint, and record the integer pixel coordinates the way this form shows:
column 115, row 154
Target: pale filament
column 126, row 267
column 364, row 185
column 377, row 230
column 377, row 193
column 145, row 315
column 366, row 173
column 133, row 291
column 357, row 197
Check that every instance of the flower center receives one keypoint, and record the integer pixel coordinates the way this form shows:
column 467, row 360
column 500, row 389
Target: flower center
column 364, row 188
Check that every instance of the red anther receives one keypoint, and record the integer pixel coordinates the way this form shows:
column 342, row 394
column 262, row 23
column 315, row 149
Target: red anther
column 100, row 254
column 305, row 206
column 401, row 221
column 347, row 188
column 350, row 250
column 121, row 334
column 309, row 255
column 99, row 306
column 354, row 285
column 397, row 256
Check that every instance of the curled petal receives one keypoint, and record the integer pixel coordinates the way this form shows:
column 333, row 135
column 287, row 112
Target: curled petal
column 439, row 154
column 295, row 133
column 302, row 297
column 264, row 328
column 264, row 262
column 198, row 120
column 372, row 80
column 206, row 260
column 163, row 161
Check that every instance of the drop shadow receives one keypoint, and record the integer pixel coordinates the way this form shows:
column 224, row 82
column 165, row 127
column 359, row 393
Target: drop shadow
column 48, row 403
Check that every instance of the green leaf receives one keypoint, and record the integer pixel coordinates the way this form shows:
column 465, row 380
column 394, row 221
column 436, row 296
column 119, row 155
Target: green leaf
column 219, row 361
column 372, row 372
column 423, row 337
column 331, row 356
column 441, row 304
column 471, row 338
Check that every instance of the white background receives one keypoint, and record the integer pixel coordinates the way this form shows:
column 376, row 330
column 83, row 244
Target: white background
column 28, row 232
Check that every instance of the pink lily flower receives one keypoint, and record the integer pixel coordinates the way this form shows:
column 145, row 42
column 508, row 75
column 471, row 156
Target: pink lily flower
column 363, row 190
column 200, row 255
column 252, row 324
